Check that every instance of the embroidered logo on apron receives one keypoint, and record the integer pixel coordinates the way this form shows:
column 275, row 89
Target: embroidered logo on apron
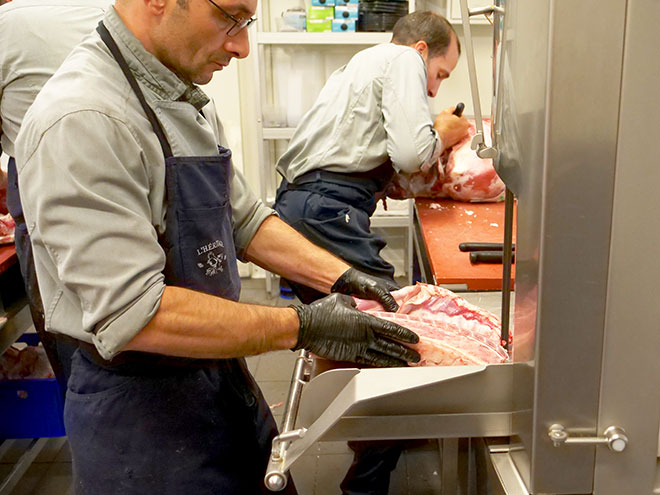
column 215, row 257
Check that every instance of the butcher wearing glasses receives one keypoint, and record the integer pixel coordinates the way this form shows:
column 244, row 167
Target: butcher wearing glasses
column 137, row 219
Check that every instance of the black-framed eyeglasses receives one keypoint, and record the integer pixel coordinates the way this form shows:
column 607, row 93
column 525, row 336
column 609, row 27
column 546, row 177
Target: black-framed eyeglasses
column 239, row 23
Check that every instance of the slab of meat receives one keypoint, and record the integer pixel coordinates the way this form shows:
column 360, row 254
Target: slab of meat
column 3, row 192
column 29, row 362
column 452, row 331
column 7, row 226
column 468, row 177
column 464, row 176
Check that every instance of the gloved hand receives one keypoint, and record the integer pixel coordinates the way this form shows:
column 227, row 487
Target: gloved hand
column 332, row 328
column 360, row 284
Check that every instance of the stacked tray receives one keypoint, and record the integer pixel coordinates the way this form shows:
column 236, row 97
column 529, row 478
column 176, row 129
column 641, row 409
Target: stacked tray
column 380, row 15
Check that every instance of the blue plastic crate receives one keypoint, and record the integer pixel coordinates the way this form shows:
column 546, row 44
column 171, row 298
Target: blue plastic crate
column 31, row 408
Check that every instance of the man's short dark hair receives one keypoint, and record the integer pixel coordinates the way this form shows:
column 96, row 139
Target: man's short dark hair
column 426, row 26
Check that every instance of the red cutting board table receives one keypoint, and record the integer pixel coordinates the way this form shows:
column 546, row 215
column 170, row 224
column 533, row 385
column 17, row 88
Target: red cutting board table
column 7, row 257
column 444, row 224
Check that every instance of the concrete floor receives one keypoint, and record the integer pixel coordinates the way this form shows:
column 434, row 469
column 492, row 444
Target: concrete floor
column 318, row 472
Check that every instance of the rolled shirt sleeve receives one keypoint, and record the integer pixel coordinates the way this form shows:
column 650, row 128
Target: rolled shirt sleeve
column 89, row 215
column 411, row 139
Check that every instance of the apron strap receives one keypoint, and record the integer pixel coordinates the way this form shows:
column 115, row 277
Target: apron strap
column 155, row 123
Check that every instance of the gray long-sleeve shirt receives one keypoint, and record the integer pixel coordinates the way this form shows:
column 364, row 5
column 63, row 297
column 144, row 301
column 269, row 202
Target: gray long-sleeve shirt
column 372, row 109
column 35, row 37
column 92, row 180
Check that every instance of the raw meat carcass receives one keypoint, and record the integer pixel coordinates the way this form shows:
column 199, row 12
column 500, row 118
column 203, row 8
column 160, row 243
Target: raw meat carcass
column 7, row 226
column 452, row 331
column 29, row 362
column 428, row 183
column 468, row 177
column 460, row 175
column 3, row 192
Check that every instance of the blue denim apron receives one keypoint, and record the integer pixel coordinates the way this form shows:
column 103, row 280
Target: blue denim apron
column 151, row 424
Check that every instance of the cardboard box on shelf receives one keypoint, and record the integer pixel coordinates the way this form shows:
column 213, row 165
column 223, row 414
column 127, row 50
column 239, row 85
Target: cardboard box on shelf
column 315, row 13
column 343, row 25
column 319, row 25
column 349, row 11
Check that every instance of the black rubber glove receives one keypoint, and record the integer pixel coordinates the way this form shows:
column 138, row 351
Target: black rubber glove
column 332, row 328
column 360, row 284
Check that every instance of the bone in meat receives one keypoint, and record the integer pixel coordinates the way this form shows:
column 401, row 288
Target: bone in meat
column 452, row 331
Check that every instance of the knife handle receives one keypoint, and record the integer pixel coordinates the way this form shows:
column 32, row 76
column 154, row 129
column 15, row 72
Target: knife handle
column 487, row 257
column 480, row 246
column 458, row 111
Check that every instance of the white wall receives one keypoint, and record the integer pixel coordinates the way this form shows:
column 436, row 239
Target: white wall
column 225, row 92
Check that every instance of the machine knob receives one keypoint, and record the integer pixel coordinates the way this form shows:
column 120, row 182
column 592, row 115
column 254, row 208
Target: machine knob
column 275, row 482
column 617, row 440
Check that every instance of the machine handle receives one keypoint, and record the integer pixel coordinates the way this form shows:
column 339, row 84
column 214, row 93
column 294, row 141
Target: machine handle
column 478, row 142
column 276, row 478
column 498, row 12
column 613, row 436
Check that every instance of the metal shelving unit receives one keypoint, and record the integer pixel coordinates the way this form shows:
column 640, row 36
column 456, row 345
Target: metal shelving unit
column 302, row 38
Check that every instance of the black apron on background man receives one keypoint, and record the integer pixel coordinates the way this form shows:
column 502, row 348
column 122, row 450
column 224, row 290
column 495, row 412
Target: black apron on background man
column 151, row 424
column 333, row 210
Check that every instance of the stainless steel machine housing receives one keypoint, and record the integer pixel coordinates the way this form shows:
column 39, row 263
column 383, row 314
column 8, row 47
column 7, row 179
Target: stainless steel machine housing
column 574, row 109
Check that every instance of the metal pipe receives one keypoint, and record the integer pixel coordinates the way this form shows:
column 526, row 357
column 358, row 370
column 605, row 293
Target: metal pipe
column 276, row 478
column 507, row 259
column 478, row 142
column 489, row 9
column 303, row 362
column 497, row 67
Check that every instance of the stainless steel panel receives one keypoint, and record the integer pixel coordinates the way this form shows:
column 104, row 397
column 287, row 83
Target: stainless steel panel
column 391, row 403
column 404, row 391
column 630, row 388
column 394, row 427
column 559, row 110
column 507, row 474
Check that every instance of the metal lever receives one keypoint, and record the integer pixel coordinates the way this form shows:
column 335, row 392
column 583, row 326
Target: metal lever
column 478, row 142
column 487, row 10
column 615, row 438
column 276, row 478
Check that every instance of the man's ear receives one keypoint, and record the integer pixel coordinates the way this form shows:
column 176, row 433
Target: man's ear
column 422, row 48
column 156, row 7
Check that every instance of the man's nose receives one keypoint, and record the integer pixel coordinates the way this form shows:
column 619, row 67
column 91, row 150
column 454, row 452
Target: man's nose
column 434, row 89
column 239, row 45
